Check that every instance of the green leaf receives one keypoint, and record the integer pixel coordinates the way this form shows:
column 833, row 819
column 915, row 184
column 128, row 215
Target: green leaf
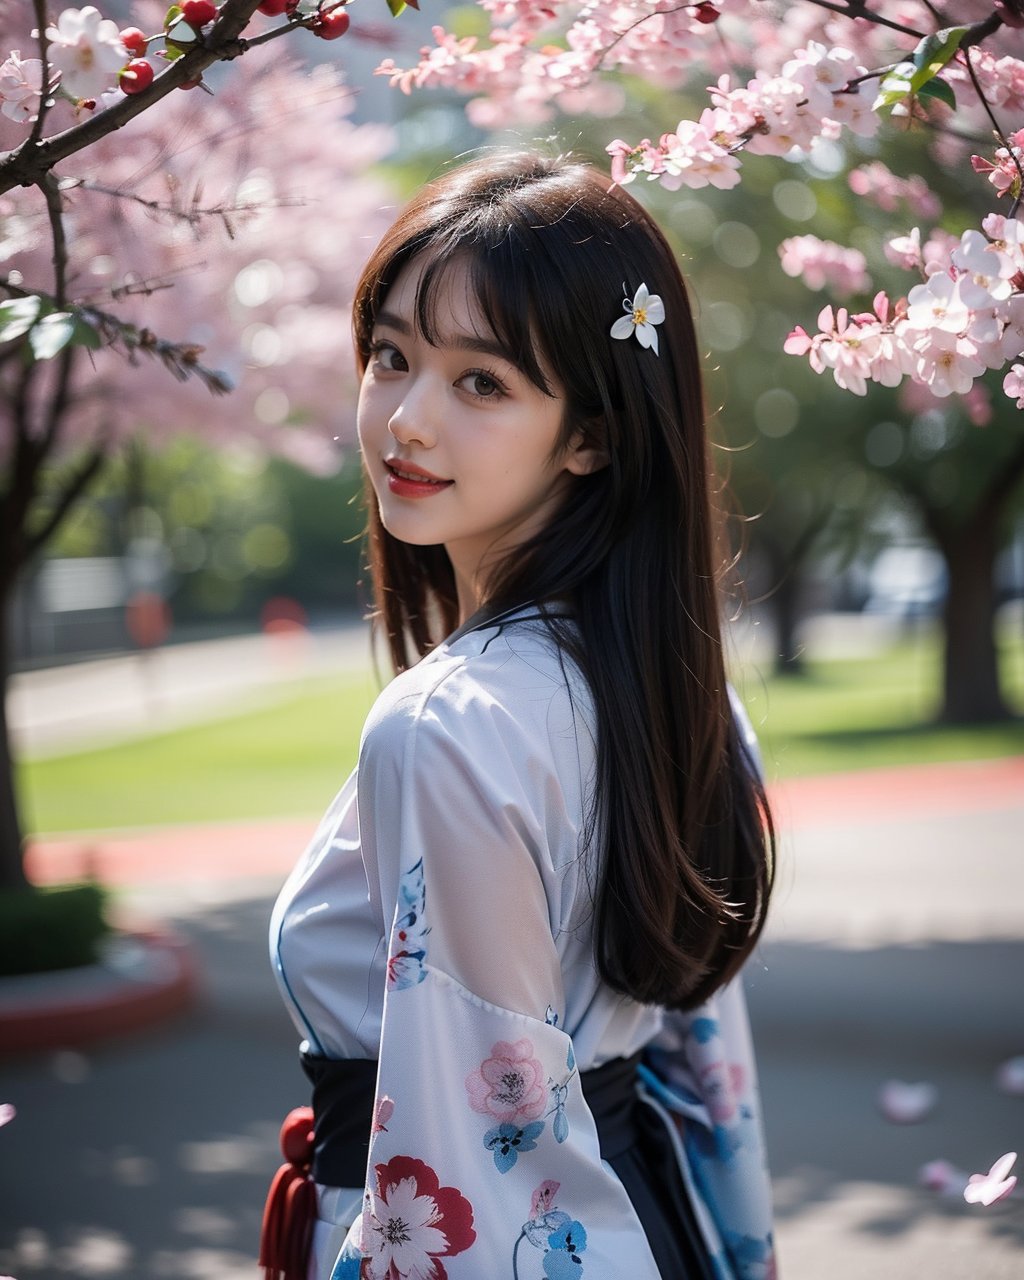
column 932, row 54
column 51, row 335
column 934, row 51
column 396, row 7
column 172, row 15
column 893, row 89
column 939, row 89
column 86, row 334
column 18, row 316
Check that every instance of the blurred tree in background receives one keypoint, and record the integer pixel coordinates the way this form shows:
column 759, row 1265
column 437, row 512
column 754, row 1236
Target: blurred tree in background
column 213, row 240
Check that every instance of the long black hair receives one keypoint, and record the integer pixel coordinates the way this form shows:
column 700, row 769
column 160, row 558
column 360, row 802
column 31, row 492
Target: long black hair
column 687, row 840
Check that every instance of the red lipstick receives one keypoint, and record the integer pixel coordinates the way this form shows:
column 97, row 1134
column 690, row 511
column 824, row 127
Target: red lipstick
column 407, row 480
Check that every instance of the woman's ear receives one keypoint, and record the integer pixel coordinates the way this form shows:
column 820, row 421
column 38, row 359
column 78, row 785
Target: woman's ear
column 583, row 457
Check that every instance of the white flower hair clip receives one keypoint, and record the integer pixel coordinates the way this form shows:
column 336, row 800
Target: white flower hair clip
column 642, row 314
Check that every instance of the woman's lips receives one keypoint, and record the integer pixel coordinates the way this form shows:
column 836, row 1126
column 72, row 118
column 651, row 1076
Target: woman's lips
column 407, row 480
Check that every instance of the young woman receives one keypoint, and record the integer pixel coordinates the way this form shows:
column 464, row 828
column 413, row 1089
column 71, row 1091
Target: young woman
column 511, row 945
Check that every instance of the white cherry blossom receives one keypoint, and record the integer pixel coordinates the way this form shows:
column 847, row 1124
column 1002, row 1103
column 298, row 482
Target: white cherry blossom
column 986, row 278
column 937, row 304
column 86, row 49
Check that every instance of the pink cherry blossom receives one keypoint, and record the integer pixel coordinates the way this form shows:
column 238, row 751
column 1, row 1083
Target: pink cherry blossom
column 987, row 1188
column 905, row 251
column 86, row 49
column 823, row 263
column 1013, row 384
column 876, row 182
column 7, row 1113
column 946, row 362
column 21, row 81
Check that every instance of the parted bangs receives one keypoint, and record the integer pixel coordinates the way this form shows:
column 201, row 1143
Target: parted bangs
column 498, row 293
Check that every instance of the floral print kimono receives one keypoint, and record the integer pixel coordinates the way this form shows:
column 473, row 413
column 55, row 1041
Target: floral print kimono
column 440, row 923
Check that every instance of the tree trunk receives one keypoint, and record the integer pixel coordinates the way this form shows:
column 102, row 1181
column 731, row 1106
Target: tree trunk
column 12, row 871
column 789, row 655
column 970, row 686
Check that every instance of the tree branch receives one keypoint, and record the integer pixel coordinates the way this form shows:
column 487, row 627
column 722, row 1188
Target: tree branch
column 191, row 215
column 998, row 131
column 44, row 80
column 856, row 9
column 26, row 165
column 70, row 495
column 59, row 400
column 50, row 188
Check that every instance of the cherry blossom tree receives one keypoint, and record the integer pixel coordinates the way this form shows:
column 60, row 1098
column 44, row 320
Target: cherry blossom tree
column 821, row 77
column 837, row 83
column 190, row 271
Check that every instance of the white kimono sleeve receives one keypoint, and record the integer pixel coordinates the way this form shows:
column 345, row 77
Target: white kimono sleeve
column 701, row 1071
column 484, row 1158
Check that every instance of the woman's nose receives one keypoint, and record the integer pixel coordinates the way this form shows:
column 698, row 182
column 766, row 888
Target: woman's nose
column 415, row 418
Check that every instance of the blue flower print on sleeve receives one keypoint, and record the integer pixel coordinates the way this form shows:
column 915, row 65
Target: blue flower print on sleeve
column 508, row 1142
column 561, row 1238
column 408, row 938
column 704, row 1029
column 562, row 1260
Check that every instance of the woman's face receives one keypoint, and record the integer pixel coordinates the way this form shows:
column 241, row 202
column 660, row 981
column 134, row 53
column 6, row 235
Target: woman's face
column 460, row 446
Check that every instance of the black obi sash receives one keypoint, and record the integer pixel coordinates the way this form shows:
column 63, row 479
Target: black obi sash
column 634, row 1141
column 343, row 1093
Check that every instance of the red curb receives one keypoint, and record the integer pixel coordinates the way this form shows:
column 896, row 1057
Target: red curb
column 65, row 1017
column 228, row 851
column 269, row 848
column 908, row 791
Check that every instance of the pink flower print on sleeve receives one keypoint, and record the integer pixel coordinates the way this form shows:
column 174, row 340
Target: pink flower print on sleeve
column 510, row 1085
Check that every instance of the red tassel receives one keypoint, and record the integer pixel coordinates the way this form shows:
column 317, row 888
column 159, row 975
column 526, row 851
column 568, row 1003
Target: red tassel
column 290, row 1211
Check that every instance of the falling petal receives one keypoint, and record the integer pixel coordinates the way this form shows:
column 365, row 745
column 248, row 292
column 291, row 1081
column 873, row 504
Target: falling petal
column 942, row 1176
column 987, row 1188
column 7, row 1114
column 903, row 1103
column 1010, row 1077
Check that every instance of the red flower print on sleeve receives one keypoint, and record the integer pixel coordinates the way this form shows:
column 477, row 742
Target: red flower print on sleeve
column 411, row 1222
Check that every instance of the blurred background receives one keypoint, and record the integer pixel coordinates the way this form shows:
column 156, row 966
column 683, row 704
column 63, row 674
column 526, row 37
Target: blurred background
column 189, row 671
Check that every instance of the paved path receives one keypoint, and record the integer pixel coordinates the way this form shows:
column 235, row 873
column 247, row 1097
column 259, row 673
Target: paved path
column 895, row 950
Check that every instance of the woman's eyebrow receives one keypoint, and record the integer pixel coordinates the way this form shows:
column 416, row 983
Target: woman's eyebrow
column 454, row 342
column 391, row 321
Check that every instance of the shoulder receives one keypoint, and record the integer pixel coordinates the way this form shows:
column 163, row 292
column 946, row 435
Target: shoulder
column 508, row 690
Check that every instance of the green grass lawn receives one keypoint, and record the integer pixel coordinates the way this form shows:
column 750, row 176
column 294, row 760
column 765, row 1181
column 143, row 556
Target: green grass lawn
column 289, row 758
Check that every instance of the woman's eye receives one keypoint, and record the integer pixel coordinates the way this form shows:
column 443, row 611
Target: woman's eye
column 389, row 357
column 481, row 384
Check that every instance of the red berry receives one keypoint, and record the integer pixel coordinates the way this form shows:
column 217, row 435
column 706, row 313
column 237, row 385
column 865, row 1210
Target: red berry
column 136, row 76
column 273, row 8
column 197, row 13
column 134, row 41
column 707, row 13
column 331, row 26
